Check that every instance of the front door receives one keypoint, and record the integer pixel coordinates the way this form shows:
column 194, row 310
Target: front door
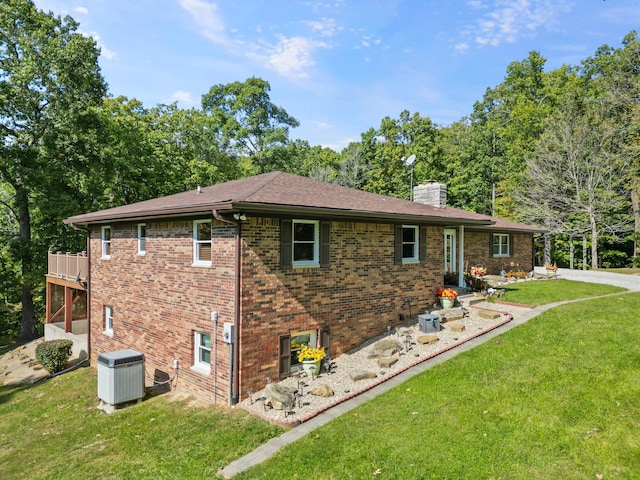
column 449, row 251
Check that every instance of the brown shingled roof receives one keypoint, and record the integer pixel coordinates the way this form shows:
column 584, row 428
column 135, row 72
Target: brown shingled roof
column 282, row 193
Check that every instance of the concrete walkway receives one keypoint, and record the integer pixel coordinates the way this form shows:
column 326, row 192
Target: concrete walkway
column 266, row 450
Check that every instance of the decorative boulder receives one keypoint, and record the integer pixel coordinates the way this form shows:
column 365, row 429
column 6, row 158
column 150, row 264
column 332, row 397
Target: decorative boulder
column 322, row 390
column 278, row 395
column 458, row 327
column 361, row 375
column 385, row 348
column 428, row 339
column 387, row 362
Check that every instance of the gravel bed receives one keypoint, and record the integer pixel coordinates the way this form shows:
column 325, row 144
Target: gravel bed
column 344, row 387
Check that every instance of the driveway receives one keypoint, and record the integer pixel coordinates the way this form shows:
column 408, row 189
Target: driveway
column 631, row 282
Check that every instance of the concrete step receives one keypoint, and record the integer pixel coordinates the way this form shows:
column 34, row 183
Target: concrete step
column 469, row 299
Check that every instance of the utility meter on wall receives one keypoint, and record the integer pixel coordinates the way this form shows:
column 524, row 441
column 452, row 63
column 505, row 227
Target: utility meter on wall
column 227, row 332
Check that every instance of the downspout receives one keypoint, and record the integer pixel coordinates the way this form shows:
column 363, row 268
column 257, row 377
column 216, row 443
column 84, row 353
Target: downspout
column 88, row 289
column 235, row 364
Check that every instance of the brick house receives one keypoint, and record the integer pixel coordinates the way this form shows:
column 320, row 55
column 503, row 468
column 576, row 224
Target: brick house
column 227, row 282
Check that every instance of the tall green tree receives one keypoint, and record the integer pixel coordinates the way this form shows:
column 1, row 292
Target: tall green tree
column 514, row 115
column 248, row 122
column 50, row 84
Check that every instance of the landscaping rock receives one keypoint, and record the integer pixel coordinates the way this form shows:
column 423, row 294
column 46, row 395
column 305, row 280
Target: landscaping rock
column 385, row 348
column 403, row 331
column 387, row 362
column 427, row 339
column 488, row 315
column 322, row 390
column 277, row 395
column 458, row 327
column 361, row 375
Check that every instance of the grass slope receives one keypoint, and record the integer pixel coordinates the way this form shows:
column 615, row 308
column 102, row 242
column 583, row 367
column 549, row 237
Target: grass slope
column 555, row 398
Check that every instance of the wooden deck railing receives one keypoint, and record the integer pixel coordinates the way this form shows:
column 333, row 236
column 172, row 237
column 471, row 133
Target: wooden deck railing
column 69, row 265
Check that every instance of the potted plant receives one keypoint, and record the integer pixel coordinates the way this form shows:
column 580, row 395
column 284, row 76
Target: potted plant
column 447, row 297
column 310, row 358
column 552, row 270
column 478, row 271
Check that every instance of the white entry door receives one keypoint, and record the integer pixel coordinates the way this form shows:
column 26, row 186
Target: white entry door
column 450, row 251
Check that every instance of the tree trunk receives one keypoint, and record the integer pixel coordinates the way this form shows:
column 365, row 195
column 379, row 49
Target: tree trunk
column 572, row 252
column 635, row 205
column 584, row 252
column 547, row 249
column 594, row 243
column 28, row 322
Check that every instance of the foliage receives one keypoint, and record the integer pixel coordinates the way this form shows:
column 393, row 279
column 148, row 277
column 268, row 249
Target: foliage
column 247, row 122
column 475, row 283
column 50, row 85
column 451, row 278
column 478, row 270
column 53, row 355
column 311, row 354
column 449, row 293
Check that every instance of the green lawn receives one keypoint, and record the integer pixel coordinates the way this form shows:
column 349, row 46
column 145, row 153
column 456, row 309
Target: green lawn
column 554, row 398
column 543, row 292
column 53, row 430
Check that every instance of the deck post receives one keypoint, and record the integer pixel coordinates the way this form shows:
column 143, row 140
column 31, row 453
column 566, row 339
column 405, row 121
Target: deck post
column 68, row 309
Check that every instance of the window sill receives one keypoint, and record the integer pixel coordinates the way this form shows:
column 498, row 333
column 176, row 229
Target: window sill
column 309, row 265
column 105, row 258
column 142, row 254
column 201, row 370
column 108, row 333
column 201, row 264
column 502, row 256
column 410, row 261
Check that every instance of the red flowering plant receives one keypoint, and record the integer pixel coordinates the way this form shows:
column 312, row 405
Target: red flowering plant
column 446, row 293
column 478, row 271
column 551, row 268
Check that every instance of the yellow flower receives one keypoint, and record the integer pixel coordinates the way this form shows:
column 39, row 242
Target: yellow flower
column 309, row 353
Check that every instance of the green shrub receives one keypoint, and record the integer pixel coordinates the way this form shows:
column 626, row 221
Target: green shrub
column 54, row 354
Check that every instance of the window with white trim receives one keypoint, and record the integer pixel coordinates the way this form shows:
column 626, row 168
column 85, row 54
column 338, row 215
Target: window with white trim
column 106, row 242
column 202, row 243
column 202, row 352
column 108, row 320
column 501, row 245
column 410, row 249
column 305, row 243
column 142, row 239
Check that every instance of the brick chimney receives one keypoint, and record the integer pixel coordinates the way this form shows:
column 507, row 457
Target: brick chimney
column 431, row 193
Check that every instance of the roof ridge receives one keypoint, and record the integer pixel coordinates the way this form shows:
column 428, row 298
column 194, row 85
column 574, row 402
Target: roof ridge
column 268, row 177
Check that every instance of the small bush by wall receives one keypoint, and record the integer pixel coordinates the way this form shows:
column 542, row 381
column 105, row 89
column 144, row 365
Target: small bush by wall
column 54, row 354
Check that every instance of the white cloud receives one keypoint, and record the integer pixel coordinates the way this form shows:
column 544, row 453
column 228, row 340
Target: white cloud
column 509, row 20
column 82, row 10
column 205, row 15
column 326, row 27
column 290, row 57
column 182, row 97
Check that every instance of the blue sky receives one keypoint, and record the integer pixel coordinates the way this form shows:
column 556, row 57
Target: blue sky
column 339, row 66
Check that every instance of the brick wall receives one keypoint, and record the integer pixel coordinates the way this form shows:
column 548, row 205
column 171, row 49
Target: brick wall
column 355, row 298
column 477, row 250
column 159, row 300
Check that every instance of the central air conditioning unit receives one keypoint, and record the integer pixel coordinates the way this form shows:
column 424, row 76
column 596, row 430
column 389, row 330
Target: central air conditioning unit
column 120, row 376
